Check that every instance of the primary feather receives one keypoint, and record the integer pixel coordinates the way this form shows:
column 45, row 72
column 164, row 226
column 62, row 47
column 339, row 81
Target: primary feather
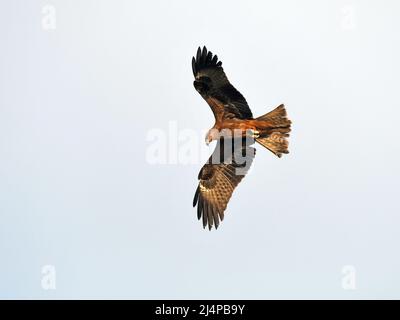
column 218, row 178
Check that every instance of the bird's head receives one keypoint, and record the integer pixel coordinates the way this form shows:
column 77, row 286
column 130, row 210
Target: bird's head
column 212, row 134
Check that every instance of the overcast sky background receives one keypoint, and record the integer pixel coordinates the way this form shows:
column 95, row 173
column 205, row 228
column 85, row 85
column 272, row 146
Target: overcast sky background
column 76, row 191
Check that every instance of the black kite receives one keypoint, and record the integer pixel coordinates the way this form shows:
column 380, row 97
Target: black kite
column 219, row 176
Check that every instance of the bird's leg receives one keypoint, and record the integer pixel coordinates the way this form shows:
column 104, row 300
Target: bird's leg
column 254, row 133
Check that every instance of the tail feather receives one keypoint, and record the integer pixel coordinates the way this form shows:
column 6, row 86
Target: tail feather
column 274, row 128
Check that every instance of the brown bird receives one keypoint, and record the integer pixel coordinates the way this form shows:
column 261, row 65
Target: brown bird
column 233, row 120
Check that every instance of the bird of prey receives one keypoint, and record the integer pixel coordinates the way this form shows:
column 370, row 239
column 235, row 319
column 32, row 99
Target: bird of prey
column 232, row 156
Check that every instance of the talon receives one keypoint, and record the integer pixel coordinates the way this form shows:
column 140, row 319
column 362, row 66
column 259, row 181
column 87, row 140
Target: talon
column 255, row 134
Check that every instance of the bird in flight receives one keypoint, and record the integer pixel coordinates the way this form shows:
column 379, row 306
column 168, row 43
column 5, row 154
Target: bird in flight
column 235, row 129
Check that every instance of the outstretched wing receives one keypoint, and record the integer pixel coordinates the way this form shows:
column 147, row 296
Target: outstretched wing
column 218, row 178
column 213, row 85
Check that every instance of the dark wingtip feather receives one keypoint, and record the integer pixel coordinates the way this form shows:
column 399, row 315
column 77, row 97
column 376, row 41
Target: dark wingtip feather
column 194, row 66
column 204, row 55
column 198, row 54
column 210, row 216
column 204, row 59
column 199, row 208
column 205, row 215
column 216, row 220
column 209, row 57
column 196, row 196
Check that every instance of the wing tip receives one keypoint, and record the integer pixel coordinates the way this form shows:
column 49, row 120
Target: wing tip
column 196, row 196
column 204, row 59
column 194, row 66
column 209, row 215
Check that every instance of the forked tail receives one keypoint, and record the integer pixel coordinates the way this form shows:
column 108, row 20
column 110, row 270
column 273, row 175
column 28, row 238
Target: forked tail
column 274, row 128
